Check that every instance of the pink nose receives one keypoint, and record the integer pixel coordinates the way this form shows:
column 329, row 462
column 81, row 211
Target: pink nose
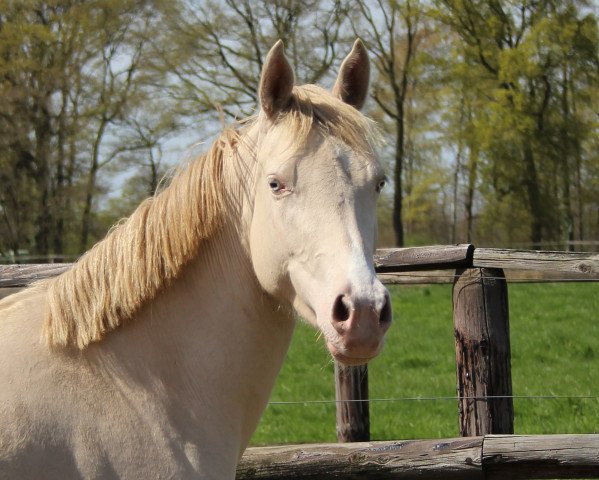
column 361, row 324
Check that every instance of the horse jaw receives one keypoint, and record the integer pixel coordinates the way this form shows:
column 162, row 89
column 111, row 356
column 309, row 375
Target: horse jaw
column 312, row 245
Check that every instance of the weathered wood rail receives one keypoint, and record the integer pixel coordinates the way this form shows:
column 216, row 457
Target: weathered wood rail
column 428, row 262
column 489, row 457
column 18, row 276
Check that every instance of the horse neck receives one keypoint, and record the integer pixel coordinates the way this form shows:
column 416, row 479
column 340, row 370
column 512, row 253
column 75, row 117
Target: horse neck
column 218, row 304
column 221, row 338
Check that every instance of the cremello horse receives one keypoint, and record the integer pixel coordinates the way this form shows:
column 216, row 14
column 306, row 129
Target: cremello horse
column 155, row 355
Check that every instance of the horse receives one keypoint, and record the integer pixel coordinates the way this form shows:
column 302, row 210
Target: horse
column 154, row 356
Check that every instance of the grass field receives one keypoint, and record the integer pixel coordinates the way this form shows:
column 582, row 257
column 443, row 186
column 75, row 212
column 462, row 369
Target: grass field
column 555, row 351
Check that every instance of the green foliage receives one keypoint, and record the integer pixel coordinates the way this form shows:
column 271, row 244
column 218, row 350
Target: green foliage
column 423, row 219
column 555, row 351
column 74, row 78
column 384, row 211
column 531, row 121
column 489, row 108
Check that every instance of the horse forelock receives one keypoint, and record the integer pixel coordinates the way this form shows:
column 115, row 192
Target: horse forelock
column 314, row 107
column 143, row 254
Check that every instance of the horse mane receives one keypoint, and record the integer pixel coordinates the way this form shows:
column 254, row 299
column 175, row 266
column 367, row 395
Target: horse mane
column 143, row 254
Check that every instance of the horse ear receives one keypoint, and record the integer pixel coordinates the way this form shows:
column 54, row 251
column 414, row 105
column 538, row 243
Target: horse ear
column 276, row 81
column 352, row 82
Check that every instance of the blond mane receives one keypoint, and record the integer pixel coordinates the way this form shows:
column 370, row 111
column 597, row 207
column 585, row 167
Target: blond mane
column 143, row 254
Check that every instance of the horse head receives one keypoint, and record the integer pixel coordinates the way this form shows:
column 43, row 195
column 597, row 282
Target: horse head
column 313, row 222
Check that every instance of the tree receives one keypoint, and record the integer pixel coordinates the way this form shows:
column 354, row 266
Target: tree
column 524, row 51
column 28, row 82
column 70, row 71
column 489, row 107
column 115, row 77
column 211, row 52
column 393, row 40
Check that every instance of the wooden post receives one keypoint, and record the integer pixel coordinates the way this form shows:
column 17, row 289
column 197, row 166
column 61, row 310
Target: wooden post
column 482, row 340
column 353, row 417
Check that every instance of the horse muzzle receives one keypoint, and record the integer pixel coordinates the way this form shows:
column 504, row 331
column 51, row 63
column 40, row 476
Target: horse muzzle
column 360, row 324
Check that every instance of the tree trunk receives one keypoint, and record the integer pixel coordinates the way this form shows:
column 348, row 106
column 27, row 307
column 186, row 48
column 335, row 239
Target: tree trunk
column 59, row 189
column 531, row 184
column 42, row 179
column 400, row 99
column 456, row 178
column 472, row 176
column 91, row 187
column 568, row 146
column 398, row 184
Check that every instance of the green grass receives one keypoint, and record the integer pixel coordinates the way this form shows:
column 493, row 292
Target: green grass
column 555, row 351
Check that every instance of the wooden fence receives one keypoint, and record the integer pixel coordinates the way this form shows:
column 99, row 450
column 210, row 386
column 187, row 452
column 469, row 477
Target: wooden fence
column 481, row 325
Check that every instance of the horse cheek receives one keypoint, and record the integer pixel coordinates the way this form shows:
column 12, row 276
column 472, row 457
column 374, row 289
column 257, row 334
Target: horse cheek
column 267, row 255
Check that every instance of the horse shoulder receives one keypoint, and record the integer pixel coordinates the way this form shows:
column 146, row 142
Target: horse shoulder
column 71, row 414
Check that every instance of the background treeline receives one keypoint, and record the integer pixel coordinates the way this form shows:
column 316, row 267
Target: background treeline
column 489, row 108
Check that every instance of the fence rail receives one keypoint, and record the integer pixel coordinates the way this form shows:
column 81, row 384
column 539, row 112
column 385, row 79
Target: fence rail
column 412, row 265
column 491, row 457
column 21, row 275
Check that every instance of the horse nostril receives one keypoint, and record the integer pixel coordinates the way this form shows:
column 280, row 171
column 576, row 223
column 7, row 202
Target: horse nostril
column 341, row 309
column 386, row 313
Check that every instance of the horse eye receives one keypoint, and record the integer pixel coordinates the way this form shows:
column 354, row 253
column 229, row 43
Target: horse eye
column 275, row 185
column 381, row 185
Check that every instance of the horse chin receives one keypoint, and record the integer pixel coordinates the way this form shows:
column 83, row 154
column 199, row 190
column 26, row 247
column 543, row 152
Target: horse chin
column 347, row 360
